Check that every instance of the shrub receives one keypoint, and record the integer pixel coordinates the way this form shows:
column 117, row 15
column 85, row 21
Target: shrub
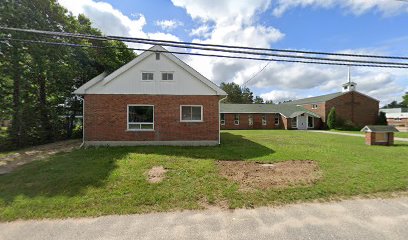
column 331, row 118
column 382, row 119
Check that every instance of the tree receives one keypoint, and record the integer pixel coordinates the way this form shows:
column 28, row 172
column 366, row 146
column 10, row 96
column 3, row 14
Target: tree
column 35, row 79
column 405, row 100
column 331, row 118
column 236, row 94
column 258, row 100
column 269, row 102
column 382, row 119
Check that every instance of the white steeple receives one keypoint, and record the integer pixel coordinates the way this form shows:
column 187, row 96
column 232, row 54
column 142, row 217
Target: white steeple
column 349, row 86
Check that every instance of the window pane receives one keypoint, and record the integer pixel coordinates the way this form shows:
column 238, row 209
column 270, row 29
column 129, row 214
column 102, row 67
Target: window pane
column 185, row 113
column 134, row 126
column 164, row 76
column 146, row 126
column 222, row 116
column 169, row 76
column 196, row 113
column 138, row 114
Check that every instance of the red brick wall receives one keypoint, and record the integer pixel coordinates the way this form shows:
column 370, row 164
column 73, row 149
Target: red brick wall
column 353, row 106
column 106, row 118
column 320, row 110
column 356, row 107
column 284, row 123
column 257, row 121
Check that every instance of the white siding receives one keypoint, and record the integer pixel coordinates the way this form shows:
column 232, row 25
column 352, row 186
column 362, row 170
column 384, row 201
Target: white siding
column 130, row 81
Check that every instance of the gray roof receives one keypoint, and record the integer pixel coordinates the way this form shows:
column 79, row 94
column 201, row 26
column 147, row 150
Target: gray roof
column 322, row 98
column 379, row 128
column 286, row 110
column 394, row 110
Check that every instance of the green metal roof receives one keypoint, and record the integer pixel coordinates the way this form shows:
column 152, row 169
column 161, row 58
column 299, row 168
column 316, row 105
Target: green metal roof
column 379, row 128
column 322, row 98
column 286, row 110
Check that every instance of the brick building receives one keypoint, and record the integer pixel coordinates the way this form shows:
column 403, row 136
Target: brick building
column 156, row 99
column 397, row 117
column 302, row 114
column 350, row 105
column 267, row 116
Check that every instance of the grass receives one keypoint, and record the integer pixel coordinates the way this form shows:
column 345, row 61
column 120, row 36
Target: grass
column 101, row 181
column 397, row 134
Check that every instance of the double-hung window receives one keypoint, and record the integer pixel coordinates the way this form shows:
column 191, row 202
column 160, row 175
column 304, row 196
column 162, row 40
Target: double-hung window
column 276, row 119
column 140, row 117
column 250, row 120
column 236, row 119
column 314, row 106
column 167, row 76
column 264, row 122
column 222, row 117
column 191, row 113
column 147, row 76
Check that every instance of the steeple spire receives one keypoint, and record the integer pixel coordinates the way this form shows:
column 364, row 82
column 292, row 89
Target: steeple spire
column 349, row 85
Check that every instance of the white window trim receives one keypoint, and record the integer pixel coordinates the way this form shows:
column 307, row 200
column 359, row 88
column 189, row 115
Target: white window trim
column 250, row 120
column 314, row 106
column 236, row 122
column 222, row 122
column 277, row 117
column 161, row 76
column 264, row 121
column 181, row 113
column 127, row 118
column 141, row 76
column 308, row 122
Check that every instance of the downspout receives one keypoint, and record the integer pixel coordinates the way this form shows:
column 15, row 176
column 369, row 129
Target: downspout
column 219, row 122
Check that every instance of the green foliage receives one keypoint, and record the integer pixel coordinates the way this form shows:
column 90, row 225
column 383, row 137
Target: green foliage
column 331, row 119
column 405, row 100
column 102, row 181
column 395, row 104
column 258, row 100
column 236, row 94
column 382, row 119
column 37, row 81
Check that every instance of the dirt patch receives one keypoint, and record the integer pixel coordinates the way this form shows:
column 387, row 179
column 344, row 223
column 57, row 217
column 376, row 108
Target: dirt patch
column 252, row 175
column 218, row 205
column 11, row 161
column 156, row 174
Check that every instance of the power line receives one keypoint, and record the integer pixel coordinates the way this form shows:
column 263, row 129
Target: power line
column 327, row 62
column 183, row 45
column 256, row 74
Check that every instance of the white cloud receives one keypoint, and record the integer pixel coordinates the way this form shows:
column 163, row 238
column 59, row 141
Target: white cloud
column 169, row 25
column 277, row 96
column 111, row 21
column 201, row 31
column 357, row 7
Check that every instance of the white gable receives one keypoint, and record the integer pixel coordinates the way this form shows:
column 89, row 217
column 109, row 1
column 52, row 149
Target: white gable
column 128, row 79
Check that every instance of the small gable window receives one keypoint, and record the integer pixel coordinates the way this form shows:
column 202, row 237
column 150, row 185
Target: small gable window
column 147, row 76
column 167, row 76
column 157, row 56
column 314, row 106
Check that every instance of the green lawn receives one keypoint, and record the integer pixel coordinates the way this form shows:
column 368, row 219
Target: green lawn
column 101, row 181
column 397, row 134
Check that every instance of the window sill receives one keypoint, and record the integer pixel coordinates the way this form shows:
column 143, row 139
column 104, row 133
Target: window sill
column 185, row 121
column 140, row 130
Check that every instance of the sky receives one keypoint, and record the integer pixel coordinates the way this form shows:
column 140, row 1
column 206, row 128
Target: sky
column 345, row 26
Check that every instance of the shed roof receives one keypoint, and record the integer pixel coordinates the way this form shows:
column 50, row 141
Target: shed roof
column 286, row 110
column 379, row 128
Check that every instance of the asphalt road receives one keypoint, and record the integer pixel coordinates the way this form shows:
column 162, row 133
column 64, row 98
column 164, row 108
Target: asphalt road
column 354, row 219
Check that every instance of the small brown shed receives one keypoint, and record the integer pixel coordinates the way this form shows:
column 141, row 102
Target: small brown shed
column 379, row 135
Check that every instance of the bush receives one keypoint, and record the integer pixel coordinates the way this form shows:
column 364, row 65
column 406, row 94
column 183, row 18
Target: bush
column 331, row 118
column 382, row 119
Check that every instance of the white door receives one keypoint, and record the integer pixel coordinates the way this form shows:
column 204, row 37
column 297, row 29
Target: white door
column 302, row 122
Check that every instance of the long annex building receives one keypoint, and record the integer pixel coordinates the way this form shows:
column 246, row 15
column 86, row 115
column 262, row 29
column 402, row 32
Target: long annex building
column 303, row 114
